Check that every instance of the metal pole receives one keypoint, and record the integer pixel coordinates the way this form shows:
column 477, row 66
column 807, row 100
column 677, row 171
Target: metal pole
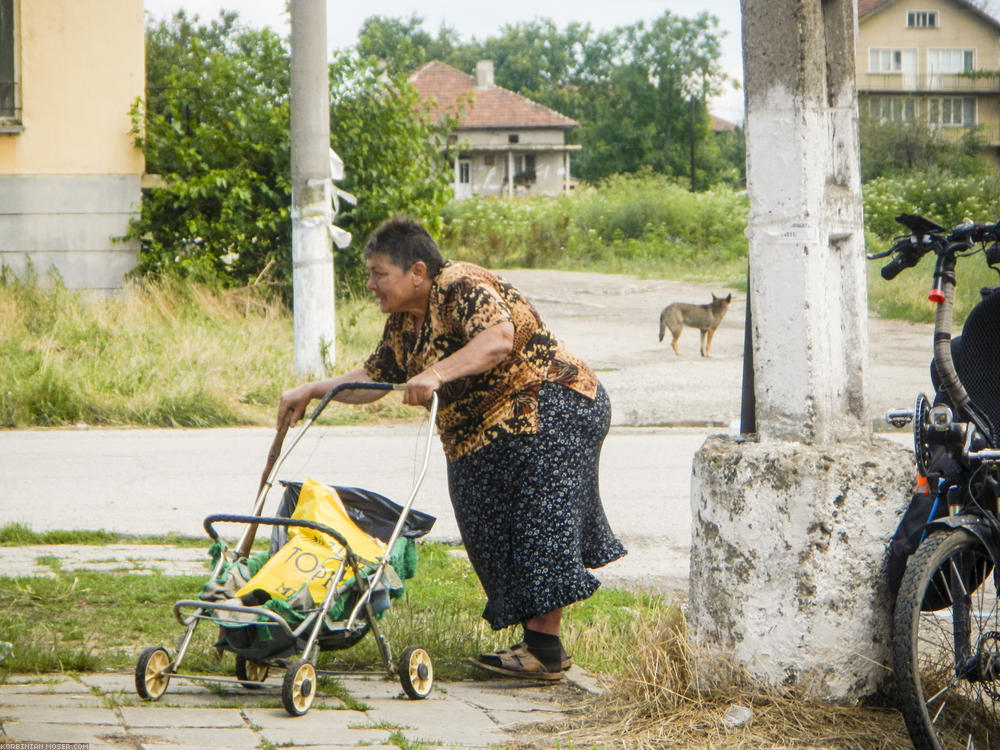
column 312, row 259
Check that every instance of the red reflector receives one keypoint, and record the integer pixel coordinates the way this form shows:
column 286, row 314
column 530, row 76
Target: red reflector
column 936, row 296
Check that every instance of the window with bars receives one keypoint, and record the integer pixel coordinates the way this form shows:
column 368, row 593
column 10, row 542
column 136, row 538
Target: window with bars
column 952, row 111
column 892, row 108
column 922, row 19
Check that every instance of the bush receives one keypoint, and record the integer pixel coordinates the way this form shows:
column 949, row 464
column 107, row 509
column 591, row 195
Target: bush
column 644, row 224
column 941, row 196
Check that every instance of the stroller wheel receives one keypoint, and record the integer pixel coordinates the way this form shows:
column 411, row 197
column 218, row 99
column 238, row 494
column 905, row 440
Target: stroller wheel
column 416, row 673
column 151, row 673
column 299, row 687
column 250, row 673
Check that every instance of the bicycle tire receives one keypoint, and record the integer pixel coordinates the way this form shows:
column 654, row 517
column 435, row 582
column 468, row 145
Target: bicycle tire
column 946, row 645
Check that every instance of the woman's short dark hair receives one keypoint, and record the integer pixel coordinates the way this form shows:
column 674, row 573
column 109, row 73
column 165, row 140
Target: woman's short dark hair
column 405, row 241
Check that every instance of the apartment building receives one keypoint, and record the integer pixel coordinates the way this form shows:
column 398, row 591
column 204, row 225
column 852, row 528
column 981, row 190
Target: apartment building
column 931, row 61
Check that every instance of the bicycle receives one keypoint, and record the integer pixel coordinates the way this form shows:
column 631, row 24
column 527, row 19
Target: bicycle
column 946, row 621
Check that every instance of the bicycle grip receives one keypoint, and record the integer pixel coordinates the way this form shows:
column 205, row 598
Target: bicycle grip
column 892, row 269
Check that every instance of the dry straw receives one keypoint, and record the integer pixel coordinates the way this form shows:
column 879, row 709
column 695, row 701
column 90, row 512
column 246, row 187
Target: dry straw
column 659, row 703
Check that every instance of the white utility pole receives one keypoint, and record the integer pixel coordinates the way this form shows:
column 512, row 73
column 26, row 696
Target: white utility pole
column 312, row 212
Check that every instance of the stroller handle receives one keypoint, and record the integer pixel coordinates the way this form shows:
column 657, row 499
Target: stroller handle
column 226, row 518
column 357, row 386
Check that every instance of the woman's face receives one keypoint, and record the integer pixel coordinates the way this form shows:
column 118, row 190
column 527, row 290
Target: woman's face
column 396, row 290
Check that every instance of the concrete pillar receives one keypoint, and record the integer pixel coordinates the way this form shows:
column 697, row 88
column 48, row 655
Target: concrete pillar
column 789, row 529
column 807, row 275
column 312, row 196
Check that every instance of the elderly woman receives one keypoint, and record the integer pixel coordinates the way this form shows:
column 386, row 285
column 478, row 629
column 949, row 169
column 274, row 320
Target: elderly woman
column 521, row 420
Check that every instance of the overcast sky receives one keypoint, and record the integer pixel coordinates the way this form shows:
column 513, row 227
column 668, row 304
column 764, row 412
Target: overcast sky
column 481, row 20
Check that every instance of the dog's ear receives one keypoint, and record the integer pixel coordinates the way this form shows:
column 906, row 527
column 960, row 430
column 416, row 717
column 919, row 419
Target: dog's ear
column 729, row 297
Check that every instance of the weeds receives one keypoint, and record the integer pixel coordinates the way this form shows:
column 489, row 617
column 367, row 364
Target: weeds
column 162, row 354
column 673, row 695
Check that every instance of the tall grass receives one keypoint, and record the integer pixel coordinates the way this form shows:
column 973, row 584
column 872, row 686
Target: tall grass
column 161, row 353
column 642, row 224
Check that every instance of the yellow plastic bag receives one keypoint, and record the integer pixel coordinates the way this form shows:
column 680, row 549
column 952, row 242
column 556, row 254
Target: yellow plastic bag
column 312, row 557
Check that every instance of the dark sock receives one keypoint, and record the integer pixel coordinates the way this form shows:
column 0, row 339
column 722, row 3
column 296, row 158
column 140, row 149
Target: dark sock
column 544, row 647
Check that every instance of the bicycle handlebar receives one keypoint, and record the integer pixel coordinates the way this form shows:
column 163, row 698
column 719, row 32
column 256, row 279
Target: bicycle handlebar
column 926, row 236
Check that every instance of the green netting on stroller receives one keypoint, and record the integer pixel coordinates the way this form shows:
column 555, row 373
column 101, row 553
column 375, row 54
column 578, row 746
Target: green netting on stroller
column 292, row 579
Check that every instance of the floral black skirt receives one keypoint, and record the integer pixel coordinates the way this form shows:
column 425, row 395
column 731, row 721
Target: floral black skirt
column 529, row 509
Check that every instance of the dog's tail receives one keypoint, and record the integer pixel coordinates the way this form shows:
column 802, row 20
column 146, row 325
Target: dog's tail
column 663, row 322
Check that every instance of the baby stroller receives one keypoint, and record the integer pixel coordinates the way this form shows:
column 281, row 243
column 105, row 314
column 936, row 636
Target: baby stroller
column 347, row 553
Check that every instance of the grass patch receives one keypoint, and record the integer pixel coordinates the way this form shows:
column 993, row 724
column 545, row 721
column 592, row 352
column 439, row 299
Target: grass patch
column 20, row 535
column 73, row 621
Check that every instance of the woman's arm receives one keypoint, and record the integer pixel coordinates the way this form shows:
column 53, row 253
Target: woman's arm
column 295, row 401
column 485, row 350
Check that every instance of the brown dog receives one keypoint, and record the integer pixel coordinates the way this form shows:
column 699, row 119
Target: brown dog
column 706, row 318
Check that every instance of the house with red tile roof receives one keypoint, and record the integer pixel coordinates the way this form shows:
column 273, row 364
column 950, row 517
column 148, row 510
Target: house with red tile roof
column 930, row 61
column 506, row 143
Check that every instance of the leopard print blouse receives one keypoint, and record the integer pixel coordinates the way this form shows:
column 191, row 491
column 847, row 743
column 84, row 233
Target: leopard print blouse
column 465, row 300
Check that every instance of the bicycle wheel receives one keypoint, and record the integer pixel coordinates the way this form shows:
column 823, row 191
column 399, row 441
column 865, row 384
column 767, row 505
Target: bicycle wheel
column 946, row 645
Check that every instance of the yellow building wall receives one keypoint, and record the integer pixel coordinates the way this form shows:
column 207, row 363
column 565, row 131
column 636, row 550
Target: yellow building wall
column 81, row 65
column 959, row 28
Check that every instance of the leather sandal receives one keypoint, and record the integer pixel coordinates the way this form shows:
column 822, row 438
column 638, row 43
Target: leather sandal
column 519, row 662
column 566, row 661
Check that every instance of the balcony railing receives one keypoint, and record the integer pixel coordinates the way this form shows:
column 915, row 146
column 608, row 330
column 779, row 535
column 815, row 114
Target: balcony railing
column 988, row 134
column 927, row 82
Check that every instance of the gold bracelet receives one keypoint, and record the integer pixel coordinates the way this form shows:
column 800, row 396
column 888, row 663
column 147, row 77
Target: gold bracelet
column 440, row 379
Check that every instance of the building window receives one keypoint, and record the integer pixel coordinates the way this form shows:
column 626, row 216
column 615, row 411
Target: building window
column 892, row 108
column 952, row 111
column 892, row 60
column 464, row 171
column 513, row 138
column 8, row 71
column 922, row 19
column 951, row 60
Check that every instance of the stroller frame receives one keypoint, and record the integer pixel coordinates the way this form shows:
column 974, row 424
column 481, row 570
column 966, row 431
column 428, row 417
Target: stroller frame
column 155, row 668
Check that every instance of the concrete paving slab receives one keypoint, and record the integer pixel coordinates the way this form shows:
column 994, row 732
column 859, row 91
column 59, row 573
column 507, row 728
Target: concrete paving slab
column 60, row 714
column 141, row 717
column 452, row 723
column 241, row 738
column 47, row 684
column 42, row 700
column 497, row 695
column 86, row 734
column 516, row 721
column 343, row 727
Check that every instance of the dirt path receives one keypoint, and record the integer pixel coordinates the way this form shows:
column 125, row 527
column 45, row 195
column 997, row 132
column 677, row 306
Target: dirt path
column 612, row 322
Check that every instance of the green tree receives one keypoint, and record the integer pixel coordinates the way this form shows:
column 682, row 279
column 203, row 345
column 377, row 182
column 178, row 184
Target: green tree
column 216, row 130
column 629, row 88
column 904, row 147
column 394, row 155
column 403, row 44
column 639, row 114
